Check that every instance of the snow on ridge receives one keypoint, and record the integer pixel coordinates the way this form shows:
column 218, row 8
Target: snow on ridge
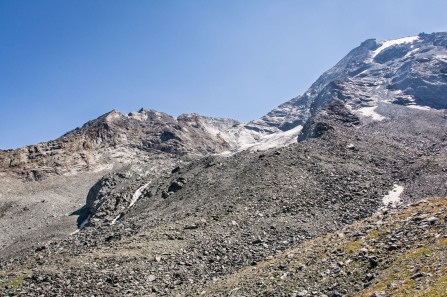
column 392, row 42
column 420, row 107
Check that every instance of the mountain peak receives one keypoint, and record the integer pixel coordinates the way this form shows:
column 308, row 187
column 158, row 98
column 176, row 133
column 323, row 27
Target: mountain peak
column 370, row 81
column 183, row 202
column 377, row 81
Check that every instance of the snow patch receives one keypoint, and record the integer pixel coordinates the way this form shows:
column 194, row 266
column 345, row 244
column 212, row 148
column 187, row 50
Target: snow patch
column 82, row 225
column 393, row 196
column 135, row 198
column 389, row 43
column 137, row 194
column 419, row 107
column 370, row 112
column 241, row 137
column 278, row 139
column 411, row 52
column 104, row 167
column 115, row 219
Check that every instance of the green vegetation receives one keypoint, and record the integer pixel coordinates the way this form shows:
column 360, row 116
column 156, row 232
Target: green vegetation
column 15, row 281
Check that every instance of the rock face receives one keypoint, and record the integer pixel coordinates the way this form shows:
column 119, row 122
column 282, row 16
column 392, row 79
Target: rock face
column 365, row 85
column 115, row 139
column 188, row 200
column 377, row 81
column 370, row 80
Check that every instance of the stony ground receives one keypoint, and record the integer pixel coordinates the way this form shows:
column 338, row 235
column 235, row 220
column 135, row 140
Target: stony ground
column 33, row 212
column 400, row 252
column 214, row 216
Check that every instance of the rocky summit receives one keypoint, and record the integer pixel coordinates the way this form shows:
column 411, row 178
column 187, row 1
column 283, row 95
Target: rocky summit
column 316, row 198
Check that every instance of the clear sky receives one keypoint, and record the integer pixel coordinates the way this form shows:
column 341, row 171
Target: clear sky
column 63, row 63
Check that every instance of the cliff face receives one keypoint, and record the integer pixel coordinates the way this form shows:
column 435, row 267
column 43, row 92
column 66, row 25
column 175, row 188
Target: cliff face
column 115, row 139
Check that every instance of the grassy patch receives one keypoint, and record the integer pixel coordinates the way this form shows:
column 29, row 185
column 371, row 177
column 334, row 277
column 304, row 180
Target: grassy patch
column 442, row 242
column 352, row 246
column 439, row 289
column 415, row 253
column 16, row 281
column 373, row 234
column 428, row 252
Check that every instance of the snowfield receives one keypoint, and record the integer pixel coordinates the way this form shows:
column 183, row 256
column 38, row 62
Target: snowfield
column 389, row 43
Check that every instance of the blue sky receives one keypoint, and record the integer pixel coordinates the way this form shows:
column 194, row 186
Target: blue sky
column 63, row 63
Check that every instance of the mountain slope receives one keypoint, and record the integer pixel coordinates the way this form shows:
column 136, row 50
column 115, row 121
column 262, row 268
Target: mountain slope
column 216, row 215
column 190, row 199
column 395, row 253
